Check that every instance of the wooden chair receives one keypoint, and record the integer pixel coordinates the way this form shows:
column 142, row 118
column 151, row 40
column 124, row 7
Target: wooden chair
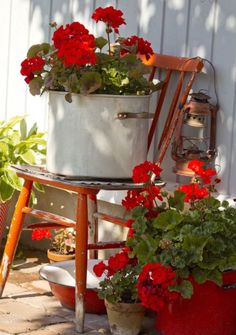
column 86, row 225
column 185, row 70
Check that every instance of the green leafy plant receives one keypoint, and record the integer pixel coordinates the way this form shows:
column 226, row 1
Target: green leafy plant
column 119, row 284
column 18, row 146
column 76, row 62
column 190, row 231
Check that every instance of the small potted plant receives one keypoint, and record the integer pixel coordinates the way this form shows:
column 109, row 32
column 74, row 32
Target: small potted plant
column 125, row 313
column 18, row 145
column 62, row 243
column 185, row 243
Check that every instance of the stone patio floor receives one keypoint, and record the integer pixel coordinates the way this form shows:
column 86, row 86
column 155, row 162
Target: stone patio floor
column 28, row 307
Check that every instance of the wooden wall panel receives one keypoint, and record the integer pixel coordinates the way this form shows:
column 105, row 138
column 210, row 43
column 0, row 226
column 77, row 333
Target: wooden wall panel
column 17, row 47
column 224, row 59
column 5, row 17
column 39, row 31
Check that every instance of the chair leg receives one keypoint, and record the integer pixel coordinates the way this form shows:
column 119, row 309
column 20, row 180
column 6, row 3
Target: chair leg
column 14, row 234
column 92, row 224
column 81, row 261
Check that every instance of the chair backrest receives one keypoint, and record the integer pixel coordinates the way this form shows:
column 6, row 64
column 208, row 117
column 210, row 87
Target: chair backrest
column 186, row 70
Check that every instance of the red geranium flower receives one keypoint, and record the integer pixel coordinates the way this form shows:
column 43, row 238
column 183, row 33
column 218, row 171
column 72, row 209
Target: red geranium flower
column 39, row 234
column 143, row 47
column 74, row 44
column 153, row 283
column 194, row 192
column 144, row 198
column 115, row 263
column 195, row 165
column 109, row 15
column 142, row 172
column 205, row 174
column 99, row 269
column 31, row 66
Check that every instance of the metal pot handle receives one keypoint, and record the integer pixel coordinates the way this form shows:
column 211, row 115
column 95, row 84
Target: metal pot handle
column 229, row 286
column 141, row 115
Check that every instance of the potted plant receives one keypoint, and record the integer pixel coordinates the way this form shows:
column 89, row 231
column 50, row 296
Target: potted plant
column 192, row 237
column 17, row 146
column 62, row 243
column 125, row 313
column 104, row 89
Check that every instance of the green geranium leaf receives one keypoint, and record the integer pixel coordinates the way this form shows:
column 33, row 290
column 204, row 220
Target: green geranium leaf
column 216, row 277
column 100, row 42
column 199, row 275
column 178, row 200
column 90, row 82
column 225, row 204
column 68, row 97
column 185, row 288
column 168, row 220
column 38, row 49
column 35, row 85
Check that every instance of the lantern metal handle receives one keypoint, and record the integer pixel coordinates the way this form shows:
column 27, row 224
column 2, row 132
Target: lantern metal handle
column 141, row 115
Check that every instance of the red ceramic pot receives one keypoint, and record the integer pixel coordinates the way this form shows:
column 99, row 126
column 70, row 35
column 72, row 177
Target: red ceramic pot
column 66, row 296
column 210, row 311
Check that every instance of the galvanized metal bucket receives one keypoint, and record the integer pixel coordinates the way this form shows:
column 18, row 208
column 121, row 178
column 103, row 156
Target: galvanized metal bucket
column 100, row 136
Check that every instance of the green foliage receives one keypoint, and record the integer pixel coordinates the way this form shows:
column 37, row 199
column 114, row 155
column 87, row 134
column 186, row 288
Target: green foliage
column 17, row 146
column 63, row 241
column 112, row 73
column 199, row 242
column 121, row 287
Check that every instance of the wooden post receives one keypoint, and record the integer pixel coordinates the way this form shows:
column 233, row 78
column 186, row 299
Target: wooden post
column 81, row 261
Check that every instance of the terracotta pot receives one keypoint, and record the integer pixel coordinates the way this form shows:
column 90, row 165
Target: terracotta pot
column 55, row 257
column 210, row 311
column 4, row 206
column 125, row 319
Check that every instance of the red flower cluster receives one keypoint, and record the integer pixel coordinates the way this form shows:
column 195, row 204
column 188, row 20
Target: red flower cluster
column 193, row 192
column 143, row 47
column 115, row 263
column 144, row 198
column 142, row 172
column 205, row 174
column 31, row 66
column 74, row 44
column 111, row 16
column 147, row 195
column 39, row 234
column 153, row 283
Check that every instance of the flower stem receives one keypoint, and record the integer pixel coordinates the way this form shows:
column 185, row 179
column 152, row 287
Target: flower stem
column 109, row 41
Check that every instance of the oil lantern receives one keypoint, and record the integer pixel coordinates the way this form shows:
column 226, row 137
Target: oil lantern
column 195, row 134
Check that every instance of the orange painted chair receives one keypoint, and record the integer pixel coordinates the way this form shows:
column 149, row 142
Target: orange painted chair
column 85, row 223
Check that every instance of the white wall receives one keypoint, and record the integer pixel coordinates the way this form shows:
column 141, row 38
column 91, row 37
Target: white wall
column 205, row 28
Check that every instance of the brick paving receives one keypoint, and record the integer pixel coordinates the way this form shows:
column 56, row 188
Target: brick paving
column 28, row 307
